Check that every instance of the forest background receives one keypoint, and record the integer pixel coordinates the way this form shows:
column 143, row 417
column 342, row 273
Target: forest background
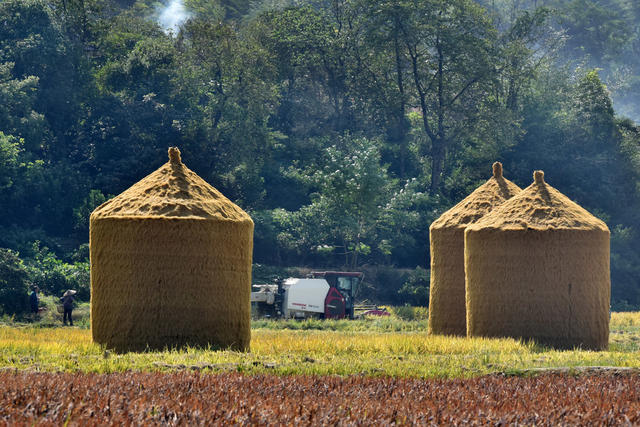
column 344, row 127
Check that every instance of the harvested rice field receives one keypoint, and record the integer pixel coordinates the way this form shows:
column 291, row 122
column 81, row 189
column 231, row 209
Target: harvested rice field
column 196, row 399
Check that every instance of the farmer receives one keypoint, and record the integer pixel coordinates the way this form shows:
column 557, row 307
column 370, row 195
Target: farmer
column 33, row 299
column 67, row 303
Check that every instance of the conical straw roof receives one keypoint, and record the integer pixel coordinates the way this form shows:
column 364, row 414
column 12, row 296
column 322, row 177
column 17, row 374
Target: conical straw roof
column 173, row 190
column 479, row 203
column 540, row 207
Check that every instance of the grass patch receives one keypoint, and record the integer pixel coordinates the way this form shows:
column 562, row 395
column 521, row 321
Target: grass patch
column 49, row 316
column 371, row 324
column 373, row 347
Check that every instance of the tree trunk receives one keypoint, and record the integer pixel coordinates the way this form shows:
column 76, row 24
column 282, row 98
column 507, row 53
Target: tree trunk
column 437, row 165
column 401, row 128
column 438, row 148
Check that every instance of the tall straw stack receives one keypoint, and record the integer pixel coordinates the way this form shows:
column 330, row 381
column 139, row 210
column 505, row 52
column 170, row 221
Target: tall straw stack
column 538, row 268
column 171, row 265
column 447, row 312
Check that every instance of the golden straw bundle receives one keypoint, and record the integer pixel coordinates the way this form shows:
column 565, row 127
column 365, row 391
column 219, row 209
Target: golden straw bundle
column 171, row 265
column 537, row 268
column 447, row 312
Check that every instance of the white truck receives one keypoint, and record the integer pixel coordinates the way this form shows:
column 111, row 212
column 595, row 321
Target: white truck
column 323, row 294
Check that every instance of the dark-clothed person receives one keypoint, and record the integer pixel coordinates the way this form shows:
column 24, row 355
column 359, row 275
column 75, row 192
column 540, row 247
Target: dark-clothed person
column 67, row 303
column 33, row 299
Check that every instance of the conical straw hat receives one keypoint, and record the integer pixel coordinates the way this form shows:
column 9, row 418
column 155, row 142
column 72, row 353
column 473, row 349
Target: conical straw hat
column 447, row 312
column 537, row 267
column 171, row 265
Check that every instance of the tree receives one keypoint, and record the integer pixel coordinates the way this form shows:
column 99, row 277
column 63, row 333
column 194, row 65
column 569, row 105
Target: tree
column 307, row 49
column 380, row 73
column 625, row 246
column 450, row 46
column 351, row 189
column 132, row 119
column 599, row 29
column 18, row 116
column 591, row 141
column 229, row 99
column 33, row 42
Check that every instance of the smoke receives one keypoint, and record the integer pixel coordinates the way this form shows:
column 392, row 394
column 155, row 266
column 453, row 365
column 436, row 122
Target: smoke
column 173, row 16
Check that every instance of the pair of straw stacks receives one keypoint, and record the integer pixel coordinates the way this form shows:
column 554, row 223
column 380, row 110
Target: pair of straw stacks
column 528, row 264
column 171, row 265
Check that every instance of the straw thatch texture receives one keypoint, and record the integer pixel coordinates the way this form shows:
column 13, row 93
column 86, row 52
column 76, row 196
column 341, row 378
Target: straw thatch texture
column 447, row 312
column 170, row 265
column 537, row 268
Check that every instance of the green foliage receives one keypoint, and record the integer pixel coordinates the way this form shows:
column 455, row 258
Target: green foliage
column 599, row 29
column 18, row 97
column 54, row 276
column 410, row 313
column 344, row 128
column 10, row 147
column 350, row 192
column 415, row 291
column 14, row 284
column 82, row 212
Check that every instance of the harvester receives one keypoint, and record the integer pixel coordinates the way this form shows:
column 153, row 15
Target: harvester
column 322, row 294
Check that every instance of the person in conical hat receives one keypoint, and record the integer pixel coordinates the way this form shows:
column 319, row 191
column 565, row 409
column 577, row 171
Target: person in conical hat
column 537, row 267
column 68, row 300
column 447, row 310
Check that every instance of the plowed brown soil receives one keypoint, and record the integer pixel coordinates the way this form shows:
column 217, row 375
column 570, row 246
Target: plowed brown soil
column 192, row 398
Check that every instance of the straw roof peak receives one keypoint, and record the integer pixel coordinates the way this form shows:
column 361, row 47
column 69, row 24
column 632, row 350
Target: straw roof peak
column 172, row 191
column 540, row 207
column 174, row 155
column 480, row 202
column 497, row 170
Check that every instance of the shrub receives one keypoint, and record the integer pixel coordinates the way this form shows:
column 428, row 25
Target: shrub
column 415, row 290
column 14, row 283
column 407, row 312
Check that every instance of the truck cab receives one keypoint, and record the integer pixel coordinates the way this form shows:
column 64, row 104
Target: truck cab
column 346, row 283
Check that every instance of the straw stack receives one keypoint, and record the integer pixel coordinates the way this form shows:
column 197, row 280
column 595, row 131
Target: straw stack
column 538, row 268
column 447, row 312
column 171, row 265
